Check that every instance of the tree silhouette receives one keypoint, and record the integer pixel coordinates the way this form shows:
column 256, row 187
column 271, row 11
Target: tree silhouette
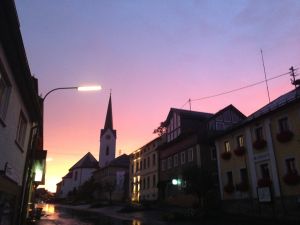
column 161, row 130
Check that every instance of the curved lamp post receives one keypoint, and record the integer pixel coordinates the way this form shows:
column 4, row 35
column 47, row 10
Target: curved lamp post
column 27, row 178
column 80, row 88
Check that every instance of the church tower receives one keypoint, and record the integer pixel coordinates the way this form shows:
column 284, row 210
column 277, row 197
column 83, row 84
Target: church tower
column 108, row 138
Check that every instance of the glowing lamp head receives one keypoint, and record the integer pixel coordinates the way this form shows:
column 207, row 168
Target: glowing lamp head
column 174, row 181
column 89, row 88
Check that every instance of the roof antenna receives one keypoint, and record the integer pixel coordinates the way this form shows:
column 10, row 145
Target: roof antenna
column 190, row 103
column 263, row 62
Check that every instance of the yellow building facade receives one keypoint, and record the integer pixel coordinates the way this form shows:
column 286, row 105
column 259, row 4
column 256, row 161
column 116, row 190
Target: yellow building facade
column 259, row 160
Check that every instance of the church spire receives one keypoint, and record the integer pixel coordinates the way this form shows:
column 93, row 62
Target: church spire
column 109, row 119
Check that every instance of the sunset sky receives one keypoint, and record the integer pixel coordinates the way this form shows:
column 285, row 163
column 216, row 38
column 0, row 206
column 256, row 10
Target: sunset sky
column 153, row 54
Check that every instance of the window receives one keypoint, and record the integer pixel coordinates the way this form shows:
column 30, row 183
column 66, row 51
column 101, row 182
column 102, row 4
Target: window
column 145, row 166
column 259, row 133
column 142, row 184
column 213, row 153
column 175, row 160
column 107, row 150
column 283, row 125
column 21, row 131
column 182, row 157
column 290, row 166
column 170, row 162
column 132, row 168
column 227, row 146
column 240, row 141
column 229, row 177
column 244, row 175
column 153, row 159
column 163, row 165
column 4, row 95
column 190, row 155
column 141, row 165
column 137, row 167
column 264, row 168
column 154, row 181
column 75, row 176
column 148, row 161
column 148, row 182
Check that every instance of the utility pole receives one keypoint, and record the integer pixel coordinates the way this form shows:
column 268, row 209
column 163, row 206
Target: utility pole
column 294, row 81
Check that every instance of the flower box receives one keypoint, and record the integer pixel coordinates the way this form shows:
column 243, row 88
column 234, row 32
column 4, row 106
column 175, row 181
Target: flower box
column 242, row 187
column 285, row 136
column 226, row 155
column 264, row 182
column 229, row 188
column 239, row 151
column 291, row 179
column 259, row 144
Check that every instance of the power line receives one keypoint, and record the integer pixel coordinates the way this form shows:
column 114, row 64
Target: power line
column 237, row 89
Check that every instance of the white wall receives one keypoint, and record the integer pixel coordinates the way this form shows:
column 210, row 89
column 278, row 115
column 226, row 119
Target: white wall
column 10, row 152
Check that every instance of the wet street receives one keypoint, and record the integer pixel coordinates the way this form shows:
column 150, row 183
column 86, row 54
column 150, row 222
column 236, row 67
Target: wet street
column 55, row 215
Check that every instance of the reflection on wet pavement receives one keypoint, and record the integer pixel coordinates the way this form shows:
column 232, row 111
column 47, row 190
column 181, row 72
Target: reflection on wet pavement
column 62, row 216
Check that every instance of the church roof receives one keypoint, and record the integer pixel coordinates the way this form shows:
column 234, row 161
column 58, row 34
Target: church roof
column 122, row 160
column 109, row 119
column 87, row 161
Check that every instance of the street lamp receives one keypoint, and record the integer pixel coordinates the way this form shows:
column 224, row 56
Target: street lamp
column 80, row 88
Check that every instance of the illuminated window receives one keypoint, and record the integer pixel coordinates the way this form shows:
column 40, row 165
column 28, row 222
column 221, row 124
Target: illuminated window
column 21, row 131
column 240, row 141
column 227, row 146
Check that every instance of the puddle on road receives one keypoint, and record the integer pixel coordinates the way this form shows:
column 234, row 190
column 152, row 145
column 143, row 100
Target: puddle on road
column 65, row 216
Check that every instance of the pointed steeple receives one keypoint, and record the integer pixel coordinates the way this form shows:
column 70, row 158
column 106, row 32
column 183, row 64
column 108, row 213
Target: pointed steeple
column 109, row 119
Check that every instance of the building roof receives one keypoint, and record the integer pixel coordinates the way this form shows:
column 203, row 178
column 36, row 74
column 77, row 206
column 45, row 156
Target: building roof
column 121, row 161
column 69, row 175
column 280, row 102
column 276, row 104
column 12, row 44
column 109, row 119
column 188, row 114
column 87, row 161
column 232, row 107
